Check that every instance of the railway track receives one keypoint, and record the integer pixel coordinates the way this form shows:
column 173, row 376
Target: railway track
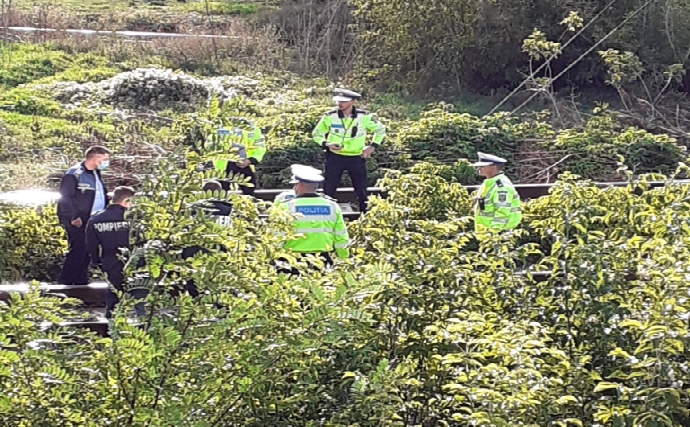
column 526, row 191
column 93, row 295
column 144, row 35
column 344, row 195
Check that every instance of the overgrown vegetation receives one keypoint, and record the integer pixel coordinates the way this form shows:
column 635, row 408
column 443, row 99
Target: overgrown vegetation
column 131, row 15
column 376, row 41
column 65, row 118
column 424, row 325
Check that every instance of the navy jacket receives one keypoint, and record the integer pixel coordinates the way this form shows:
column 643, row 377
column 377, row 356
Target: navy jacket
column 106, row 232
column 220, row 210
column 77, row 193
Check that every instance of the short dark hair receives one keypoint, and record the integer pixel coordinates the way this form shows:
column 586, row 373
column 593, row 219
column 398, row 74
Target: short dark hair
column 212, row 186
column 122, row 193
column 95, row 151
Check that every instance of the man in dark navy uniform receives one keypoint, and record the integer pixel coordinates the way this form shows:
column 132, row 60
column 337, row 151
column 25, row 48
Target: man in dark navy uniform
column 220, row 211
column 107, row 233
column 82, row 193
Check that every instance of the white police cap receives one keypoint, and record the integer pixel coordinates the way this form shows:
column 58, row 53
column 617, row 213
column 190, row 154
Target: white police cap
column 345, row 95
column 306, row 174
column 488, row 160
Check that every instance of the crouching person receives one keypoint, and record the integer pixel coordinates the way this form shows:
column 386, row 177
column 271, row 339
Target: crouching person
column 220, row 211
column 317, row 219
column 107, row 232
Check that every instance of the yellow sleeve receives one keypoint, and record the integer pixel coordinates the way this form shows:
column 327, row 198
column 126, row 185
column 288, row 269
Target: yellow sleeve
column 377, row 128
column 341, row 236
column 257, row 146
column 321, row 130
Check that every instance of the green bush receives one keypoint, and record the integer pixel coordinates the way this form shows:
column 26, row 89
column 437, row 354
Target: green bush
column 422, row 326
column 443, row 137
column 222, row 8
column 289, row 141
column 23, row 63
column 32, row 121
column 597, row 149
column 28, row 102
column 68, row 134
column 33, row 243
column 471, row 44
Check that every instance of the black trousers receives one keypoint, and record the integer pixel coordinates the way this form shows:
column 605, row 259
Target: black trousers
column 189, row 252
column 113, row 269
column 356, row 167
column 325, row 256
column 233, row 169
column 75, row 270
column 190, row 286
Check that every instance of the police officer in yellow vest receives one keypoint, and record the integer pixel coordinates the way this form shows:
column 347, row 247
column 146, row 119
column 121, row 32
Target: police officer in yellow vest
column 245, row 147
column 317, row 218
column 496, row 203
column 342, row 133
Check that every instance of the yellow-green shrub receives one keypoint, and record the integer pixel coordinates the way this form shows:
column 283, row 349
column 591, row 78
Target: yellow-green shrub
column 33, row 243
column 596, row 149
column 424, row 325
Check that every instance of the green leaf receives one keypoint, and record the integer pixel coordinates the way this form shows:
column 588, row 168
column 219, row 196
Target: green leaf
column 603, row 386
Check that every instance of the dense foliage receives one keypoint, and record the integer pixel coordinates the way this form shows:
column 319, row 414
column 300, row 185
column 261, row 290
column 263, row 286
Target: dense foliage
column 472, row 44
column 47, row 121
column 443, row 136
column 33, row 243
column 466, row 45
column 425, row 325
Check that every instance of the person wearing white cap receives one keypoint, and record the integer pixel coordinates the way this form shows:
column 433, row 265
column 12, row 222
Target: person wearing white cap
column 290, row 194
column 342, row 133
column 496, row 203
column 318, row 219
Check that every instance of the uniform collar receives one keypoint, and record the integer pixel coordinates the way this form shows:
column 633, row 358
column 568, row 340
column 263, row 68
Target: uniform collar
column 308, row 195
column 83, row 166
column 220, row 201
column 353, row 115
column 114, row 206
column 213, row 201
column 494, row 179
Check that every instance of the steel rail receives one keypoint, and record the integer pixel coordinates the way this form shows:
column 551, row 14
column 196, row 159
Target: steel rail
column 123, row 33
column 348, row 195
column 93, row 296
column 526, row 191
column 94, row 293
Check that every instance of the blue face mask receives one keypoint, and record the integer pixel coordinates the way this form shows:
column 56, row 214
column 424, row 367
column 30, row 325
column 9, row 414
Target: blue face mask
column 104, row 165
